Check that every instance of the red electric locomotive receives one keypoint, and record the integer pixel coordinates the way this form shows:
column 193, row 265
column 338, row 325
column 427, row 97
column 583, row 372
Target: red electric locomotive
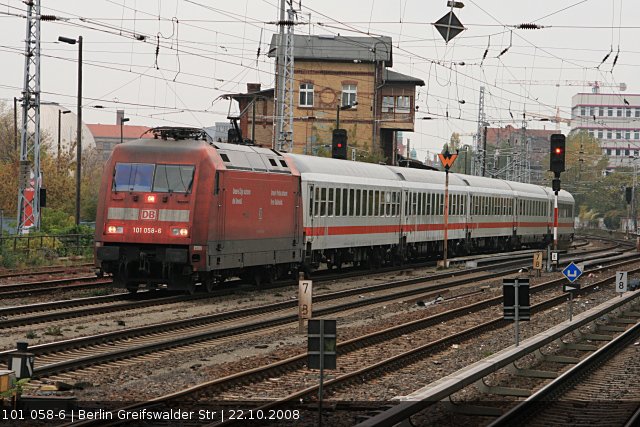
column 171, row 212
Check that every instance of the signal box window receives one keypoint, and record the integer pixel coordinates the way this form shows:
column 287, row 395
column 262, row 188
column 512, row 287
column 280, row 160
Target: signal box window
column 349, row 95
column 403, row 104
column 133, row 177
column 306, row 95
column 173, row 179
column 387, row 104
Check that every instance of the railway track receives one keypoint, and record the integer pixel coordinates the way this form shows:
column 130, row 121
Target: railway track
column 607, row 380
column 41, row 271
column 363, row 359
column 67, row 309
column 55, row 358
column 49, row 286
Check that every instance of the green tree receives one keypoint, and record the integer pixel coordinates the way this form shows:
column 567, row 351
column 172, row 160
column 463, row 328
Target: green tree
column 58, row 176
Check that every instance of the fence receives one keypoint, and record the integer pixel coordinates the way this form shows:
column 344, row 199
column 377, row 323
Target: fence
column 49, row 246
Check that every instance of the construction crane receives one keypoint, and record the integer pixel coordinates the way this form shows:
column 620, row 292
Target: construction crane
column 554, row 119
column 595, row 85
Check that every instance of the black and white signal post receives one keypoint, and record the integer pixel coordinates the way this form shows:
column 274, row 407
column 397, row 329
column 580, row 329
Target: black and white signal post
column 516, row 306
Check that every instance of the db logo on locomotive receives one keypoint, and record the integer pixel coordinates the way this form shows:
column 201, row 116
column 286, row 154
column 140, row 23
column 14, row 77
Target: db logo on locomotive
column 148, row 214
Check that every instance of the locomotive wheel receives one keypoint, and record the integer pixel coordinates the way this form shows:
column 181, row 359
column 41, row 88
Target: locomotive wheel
column 209, row 284
column 132, row 288
column 190, row 288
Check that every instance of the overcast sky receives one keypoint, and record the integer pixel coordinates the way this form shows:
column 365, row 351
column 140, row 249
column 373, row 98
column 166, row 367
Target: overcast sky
column 208, row 48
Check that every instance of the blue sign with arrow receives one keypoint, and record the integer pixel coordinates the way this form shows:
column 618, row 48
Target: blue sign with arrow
column 572, row 272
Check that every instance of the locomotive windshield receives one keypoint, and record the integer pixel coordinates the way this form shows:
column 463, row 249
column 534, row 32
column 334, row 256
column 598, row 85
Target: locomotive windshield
column 150, row 177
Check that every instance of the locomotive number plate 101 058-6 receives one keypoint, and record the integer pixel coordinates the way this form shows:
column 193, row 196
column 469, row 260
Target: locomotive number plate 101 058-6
column 147, row 230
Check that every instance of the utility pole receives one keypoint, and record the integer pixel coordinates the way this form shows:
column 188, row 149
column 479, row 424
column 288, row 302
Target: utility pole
column 79, row 124
column 484, row 152
column 15, row 123
column 479, row 150
column 29, row 188
column 284, row 70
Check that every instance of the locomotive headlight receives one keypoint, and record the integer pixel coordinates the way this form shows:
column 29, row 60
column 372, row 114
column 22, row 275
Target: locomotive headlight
column 113, row 229
column 180, row 232
column 151, row 198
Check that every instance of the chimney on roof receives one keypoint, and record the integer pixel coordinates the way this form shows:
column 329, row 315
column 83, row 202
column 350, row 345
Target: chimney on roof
column 119, row 116
column 253, row 87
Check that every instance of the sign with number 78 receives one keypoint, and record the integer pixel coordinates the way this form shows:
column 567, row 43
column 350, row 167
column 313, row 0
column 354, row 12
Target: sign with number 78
column 304, row 299
column 621, row 281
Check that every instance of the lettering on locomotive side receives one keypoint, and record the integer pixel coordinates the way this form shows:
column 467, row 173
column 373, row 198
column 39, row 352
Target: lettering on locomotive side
column 241, row 192
column 278, row 193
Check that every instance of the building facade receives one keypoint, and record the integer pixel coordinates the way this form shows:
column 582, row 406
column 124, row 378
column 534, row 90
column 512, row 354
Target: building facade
column 337, row 79
column 108, row 136
column 614, row 119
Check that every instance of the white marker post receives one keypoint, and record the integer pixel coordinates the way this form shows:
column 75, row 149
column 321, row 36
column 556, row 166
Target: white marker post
column 537, row 262
column 621, row 282
column 305, row 292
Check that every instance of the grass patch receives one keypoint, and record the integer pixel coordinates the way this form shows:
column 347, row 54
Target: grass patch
column 31, row 335
column 100, row 292
column 53, row 330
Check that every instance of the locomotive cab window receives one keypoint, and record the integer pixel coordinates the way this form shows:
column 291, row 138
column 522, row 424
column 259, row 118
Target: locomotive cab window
column 173, row 179
column 150, row 177
column 133, row 177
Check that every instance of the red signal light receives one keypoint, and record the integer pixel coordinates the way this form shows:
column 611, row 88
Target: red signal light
column 558, row 150
column 339, row 145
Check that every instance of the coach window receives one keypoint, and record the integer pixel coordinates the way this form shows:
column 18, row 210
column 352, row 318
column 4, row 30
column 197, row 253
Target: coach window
column 330, row 202
column 463, row 200
column 376, row 203
column 394, row 200
column 352, row 203
column 366, row 202
column 427, row 206
column 387, row 203
column 344, row 201
column 323, row 201
column 316, row 208
column 373, row 203
column 338, row 204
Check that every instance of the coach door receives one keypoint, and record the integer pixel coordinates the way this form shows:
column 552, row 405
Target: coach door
column 311, row 220
column 408, row 225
